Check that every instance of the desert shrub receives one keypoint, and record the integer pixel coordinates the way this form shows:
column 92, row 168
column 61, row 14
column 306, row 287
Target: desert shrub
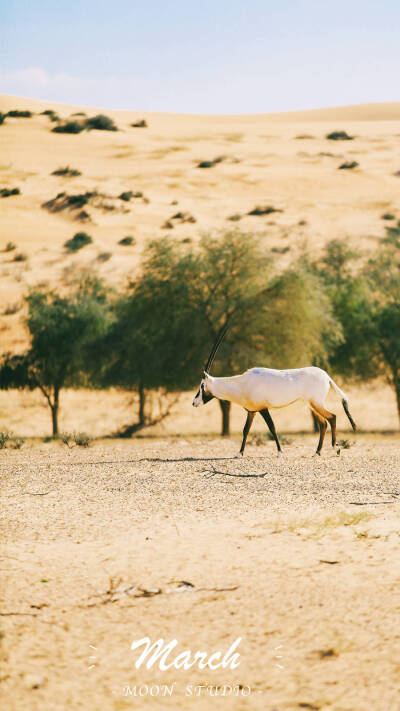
column 126, row 195
column 339, row 136
column 4, row 437
column 11, row 309
column 68, row 127
column 139, row 124
column 184, row 217
column 7, row 192
column 388, row 216
column 79, row 200
column 304, row 136
column 210, row 163
column 345, row 443
column 187, row 240
column 2, row 117
column 20, row 257
column 16, row 113
column 8, row 440
column 10, row 246
column 79, row 240
column 235, row 218
column 47, row 112
column 67, row 171
column 79, row 439
column 168, row 225
column 100, row 123
column 104, row 256
column 348, row 165
column 267, row 210
column 79, row 113
column 280, row 250
column 206, row 164
column 127, row 241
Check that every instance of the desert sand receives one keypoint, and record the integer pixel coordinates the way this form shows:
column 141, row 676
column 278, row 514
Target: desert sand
column 174, row 539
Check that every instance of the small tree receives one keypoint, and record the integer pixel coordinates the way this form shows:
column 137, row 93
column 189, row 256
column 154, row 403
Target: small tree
column 383, row 273
column 62, row 330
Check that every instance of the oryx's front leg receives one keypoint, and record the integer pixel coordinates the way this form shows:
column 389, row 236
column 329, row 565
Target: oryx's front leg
column 246, row 430
column 268, row 419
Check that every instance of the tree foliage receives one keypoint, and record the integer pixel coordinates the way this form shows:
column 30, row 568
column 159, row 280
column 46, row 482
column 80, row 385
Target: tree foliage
column 63, row 330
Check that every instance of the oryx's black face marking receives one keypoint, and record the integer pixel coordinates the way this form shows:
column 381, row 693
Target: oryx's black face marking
column 203, row 394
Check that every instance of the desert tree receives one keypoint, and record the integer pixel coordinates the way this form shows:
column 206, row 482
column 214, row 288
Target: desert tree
column 189, row 293
column 62, row 330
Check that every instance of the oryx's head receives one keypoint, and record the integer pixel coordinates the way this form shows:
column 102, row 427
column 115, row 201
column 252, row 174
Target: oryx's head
column 204, row 393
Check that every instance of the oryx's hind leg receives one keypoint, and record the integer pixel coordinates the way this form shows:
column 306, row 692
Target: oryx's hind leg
column 325, row 415
column 322, row 423
column 268, row 419
column 246, row 430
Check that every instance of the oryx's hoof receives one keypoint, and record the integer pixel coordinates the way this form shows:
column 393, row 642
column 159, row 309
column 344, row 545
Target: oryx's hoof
column 338, row 451
column 279, row 455
column 317, row 454
column 239, row 455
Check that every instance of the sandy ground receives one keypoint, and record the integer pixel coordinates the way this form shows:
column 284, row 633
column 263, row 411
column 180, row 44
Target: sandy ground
column 264, row 163
column 298, row 557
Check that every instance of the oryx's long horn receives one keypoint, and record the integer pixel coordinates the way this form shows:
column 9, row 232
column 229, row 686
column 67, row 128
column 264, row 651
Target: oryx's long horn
column 215, row 347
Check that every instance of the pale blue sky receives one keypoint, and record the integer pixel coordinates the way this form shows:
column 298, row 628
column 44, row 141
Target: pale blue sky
column 208, row 56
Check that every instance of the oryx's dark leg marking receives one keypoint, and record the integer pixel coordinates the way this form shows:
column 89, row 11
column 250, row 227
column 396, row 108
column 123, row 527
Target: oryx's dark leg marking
column 268, row 419
column 326, row 415
column 322, row 429
column 246, row 429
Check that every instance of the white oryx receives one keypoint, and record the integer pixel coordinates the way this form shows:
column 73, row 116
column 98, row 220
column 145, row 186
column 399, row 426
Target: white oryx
column 259, row 389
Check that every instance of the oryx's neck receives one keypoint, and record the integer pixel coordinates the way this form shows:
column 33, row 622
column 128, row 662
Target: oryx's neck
column 227, row 389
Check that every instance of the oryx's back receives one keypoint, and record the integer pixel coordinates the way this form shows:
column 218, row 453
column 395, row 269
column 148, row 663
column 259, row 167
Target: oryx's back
column 267, row 387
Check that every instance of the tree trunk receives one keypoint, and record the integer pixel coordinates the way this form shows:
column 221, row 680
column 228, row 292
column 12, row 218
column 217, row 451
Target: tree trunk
column 396, row 385
column 54, row 411
column 142, row 401
column 225, row 406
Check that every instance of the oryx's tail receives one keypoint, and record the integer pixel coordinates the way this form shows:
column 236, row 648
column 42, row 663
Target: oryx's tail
column 345, row 403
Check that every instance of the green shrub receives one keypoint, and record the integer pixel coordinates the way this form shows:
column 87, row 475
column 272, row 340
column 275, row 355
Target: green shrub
column 10, row 246
column 7, row 192
column 139, row 124
column 339, row 136
column 210, row 163
column 20, row 257
column 206, row 164
column 235, row 218
column 267, row 210
column 8, row 440
column 67, row 171
column 16, row 113
column 388, row 216
column 4, row 437
column 69, row 127
column 100, row 123
column 79, row 240
column 127, row 241
column 79, row 439
column 104, row 256
column 2, row 117
column 12, row 309
column 348, row 165
column 126, row 196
